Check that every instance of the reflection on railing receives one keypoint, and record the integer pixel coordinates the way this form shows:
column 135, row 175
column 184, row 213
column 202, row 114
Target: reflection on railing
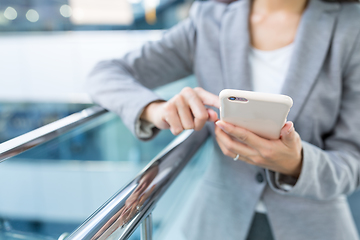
column 122, row 214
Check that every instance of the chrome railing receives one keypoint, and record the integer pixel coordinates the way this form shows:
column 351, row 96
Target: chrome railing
column 131, row 206
column 44, row 134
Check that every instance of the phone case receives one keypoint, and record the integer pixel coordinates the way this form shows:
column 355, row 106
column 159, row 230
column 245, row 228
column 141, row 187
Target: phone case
column 262, row 113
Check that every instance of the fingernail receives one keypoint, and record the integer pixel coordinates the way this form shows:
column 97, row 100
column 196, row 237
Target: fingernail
column 220, row 125
column 291, row 130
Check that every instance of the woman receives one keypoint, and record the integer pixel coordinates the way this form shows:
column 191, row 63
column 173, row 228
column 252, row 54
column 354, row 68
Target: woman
column 310, row 50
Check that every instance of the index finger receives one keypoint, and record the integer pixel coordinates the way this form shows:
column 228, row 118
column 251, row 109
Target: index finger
column 197, row 107
column 207, row 98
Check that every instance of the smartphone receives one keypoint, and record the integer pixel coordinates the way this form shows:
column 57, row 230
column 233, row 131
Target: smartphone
column 261, row 113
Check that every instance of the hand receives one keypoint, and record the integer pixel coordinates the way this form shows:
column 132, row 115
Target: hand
column 186, row 110
column 283, row 155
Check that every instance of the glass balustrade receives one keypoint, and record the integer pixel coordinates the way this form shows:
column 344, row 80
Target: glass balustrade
column 172, row 210
column 52, row 188
column 354, row 201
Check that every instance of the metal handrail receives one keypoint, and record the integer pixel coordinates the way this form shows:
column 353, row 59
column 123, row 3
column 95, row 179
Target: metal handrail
column 128, row 208
column 43, row 134
column 131, row 206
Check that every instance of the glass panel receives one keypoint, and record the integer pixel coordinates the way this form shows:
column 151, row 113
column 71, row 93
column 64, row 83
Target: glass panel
column 354, row 201
column 173, row 208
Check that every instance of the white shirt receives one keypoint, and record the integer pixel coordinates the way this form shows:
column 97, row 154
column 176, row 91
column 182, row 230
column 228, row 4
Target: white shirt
column 268, row 70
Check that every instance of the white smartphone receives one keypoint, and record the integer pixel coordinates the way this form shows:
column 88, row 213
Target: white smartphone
column 262, row 113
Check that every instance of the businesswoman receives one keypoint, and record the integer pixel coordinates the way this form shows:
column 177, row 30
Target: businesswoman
column 291, row 188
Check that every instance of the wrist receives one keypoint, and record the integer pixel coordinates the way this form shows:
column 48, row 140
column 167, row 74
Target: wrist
column 298, row 166
column 149, row 110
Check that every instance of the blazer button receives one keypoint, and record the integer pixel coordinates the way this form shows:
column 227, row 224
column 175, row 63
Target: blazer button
column 259, row 178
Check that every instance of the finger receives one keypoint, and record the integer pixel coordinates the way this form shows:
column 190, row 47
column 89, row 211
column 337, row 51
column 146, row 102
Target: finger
column 243, row 135
column 286, row 128
column 225, row 151
column 146, row 195
column 197, row 108
column 173, row 119
column 123, row 216
column 288, row 134
column 186, row 117
column 208, row 98
column 125, row 213
column 233, row 155
column 234, row 146
column 213, row 117
column 133, row 211
column 222, row 146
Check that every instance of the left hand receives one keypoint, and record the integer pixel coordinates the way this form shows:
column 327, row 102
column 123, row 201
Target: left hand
column 283, row 155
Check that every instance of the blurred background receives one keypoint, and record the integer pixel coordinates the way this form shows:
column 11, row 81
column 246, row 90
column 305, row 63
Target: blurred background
column 74, row 15
column 47, row 48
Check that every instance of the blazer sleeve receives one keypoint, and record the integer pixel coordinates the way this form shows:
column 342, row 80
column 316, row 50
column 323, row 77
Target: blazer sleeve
column 335, row 170
column 124, row 85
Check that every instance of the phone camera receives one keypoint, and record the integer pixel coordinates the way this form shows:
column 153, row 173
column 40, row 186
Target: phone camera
column 243, row 99
column 232, row 98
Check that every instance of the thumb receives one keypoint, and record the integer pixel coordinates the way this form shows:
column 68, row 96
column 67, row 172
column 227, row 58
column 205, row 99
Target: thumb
column 212, row 115
column 287, row 134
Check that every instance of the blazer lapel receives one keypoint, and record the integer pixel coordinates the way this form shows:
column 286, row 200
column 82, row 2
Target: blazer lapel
column 310, row 49
column 234, row 46
column 311, row 46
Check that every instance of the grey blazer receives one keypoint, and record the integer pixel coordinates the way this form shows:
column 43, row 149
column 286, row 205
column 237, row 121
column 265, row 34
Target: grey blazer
column 324, row 82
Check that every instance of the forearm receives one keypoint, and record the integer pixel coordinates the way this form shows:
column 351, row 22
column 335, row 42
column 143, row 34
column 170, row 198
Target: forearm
column 113, row 87
column 324, row 175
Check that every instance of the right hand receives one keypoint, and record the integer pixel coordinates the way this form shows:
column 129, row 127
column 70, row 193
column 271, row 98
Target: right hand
column 185, row 110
